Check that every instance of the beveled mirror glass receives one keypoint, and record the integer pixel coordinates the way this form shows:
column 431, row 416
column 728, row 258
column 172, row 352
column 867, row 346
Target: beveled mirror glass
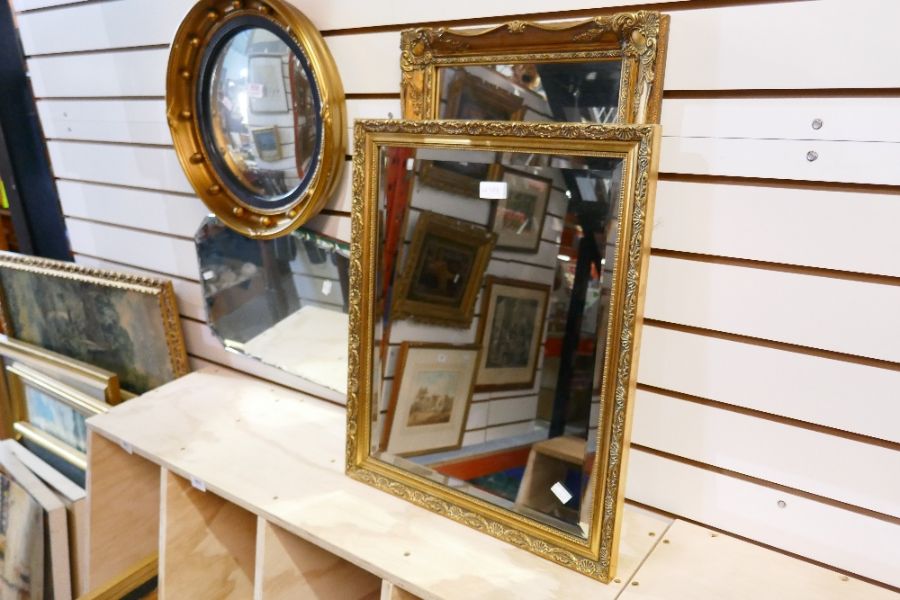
column 608, row 69
column 494, row 319
column 283, row 302
column 256, row 110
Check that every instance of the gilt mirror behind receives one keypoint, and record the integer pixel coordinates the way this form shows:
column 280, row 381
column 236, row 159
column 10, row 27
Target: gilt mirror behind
column 608, row 69
column 283, row 301
column 506, row 274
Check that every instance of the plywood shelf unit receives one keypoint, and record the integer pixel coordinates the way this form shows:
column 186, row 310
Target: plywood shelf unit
column 239, row 486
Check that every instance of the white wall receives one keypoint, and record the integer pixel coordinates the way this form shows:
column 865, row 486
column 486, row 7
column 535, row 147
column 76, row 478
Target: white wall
column 770, row 369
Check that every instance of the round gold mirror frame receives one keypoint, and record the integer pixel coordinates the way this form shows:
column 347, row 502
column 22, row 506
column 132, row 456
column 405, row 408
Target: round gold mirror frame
column 196, row 31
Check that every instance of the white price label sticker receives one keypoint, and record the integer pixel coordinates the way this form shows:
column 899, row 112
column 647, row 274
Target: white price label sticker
column 410, row 164
column 492, row 190
column 209, row 274
column 326, row 287
column 560, row 491
column 126, row 447
column 198, row 484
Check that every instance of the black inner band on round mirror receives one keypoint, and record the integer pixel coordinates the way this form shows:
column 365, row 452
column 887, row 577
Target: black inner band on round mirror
column 258, row 145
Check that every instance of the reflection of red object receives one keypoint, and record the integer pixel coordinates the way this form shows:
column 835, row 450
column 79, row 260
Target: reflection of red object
column 512, row 219
column 485, row 464
column 396, row 193
column 553, row 346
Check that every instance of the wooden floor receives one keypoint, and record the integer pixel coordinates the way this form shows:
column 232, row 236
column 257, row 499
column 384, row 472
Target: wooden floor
column 246, row 483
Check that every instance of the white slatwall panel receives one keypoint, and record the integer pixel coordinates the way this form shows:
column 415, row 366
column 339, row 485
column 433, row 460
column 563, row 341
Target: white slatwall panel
column 129, row 206
column 808, row 310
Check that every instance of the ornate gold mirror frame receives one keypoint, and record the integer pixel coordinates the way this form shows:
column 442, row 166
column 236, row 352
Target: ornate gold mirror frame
column 593, row 554
column 639, row 39
column 205, row 24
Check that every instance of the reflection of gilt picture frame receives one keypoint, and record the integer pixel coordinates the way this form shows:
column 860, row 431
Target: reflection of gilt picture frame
column 267, row 72
column 432, row 389
column 51, row 414
column 472, row 98
column 518, row 219
column 268, row 148
column 123, row 323
column 444, row 267
column 512, row 325
column 460, row 178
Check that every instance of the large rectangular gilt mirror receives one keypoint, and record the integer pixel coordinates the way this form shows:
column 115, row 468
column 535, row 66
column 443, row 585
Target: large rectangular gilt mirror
column 608, row 69
column 494, row 324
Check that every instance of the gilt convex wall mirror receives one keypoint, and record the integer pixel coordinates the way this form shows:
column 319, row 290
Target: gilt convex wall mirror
column 256, row 109
column 608, row 69
column 494, row 324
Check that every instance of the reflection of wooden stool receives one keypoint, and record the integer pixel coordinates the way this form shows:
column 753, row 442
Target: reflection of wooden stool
column 548, row 463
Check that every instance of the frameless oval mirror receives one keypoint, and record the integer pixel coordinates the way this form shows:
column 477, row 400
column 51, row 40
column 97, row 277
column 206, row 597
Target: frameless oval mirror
column 500, row 272
column 603, row 70
column 282, row 301
column 256, row 109
column 258, row 106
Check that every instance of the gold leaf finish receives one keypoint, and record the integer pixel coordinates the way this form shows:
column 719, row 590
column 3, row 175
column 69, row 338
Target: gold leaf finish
column 638, row 38
column 636, row 145
column 193, row 36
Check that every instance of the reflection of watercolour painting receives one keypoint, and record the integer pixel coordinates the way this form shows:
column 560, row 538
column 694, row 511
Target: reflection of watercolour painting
column 518, row 219
column 126, row 324
column 512, row 326
column 21, row 543
column 430, row 398
column 434, row 398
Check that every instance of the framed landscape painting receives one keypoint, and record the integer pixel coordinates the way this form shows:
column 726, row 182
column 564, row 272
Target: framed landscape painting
column 430, row 398
column 123, row 323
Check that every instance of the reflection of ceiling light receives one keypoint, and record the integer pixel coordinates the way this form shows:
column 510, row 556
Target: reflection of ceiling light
column 564, row 258
column 244, row 73
column 591, row 76
column 602, row 261
column 568, row 193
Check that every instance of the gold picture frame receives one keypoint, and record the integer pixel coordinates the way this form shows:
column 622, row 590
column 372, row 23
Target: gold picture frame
column 428, row 297
column 491, row 376
column 638, row 39
column 636, row 146
column 458, row 375
column 95, row 316
column 98, row 383
column 30, row 387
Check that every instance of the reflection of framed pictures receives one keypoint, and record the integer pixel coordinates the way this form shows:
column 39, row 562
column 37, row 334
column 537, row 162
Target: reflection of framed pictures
column 51, row 414
column 430, row 398
column 518, row 219
column 126, row 324
column 265, row 88
column 470, row 97
column 460, row 178
column 444, row 266
column 512, row 323
column 268, row 147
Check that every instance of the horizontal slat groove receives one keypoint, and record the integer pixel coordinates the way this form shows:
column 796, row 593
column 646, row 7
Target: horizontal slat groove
column 128, row 266
column 780, row 267
column 769, row 484
column 128, row 187
column 776, row 345
column 799, row 184
column 100, row 51
column 800, row 557
column 130, row 228
column 772, row 417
